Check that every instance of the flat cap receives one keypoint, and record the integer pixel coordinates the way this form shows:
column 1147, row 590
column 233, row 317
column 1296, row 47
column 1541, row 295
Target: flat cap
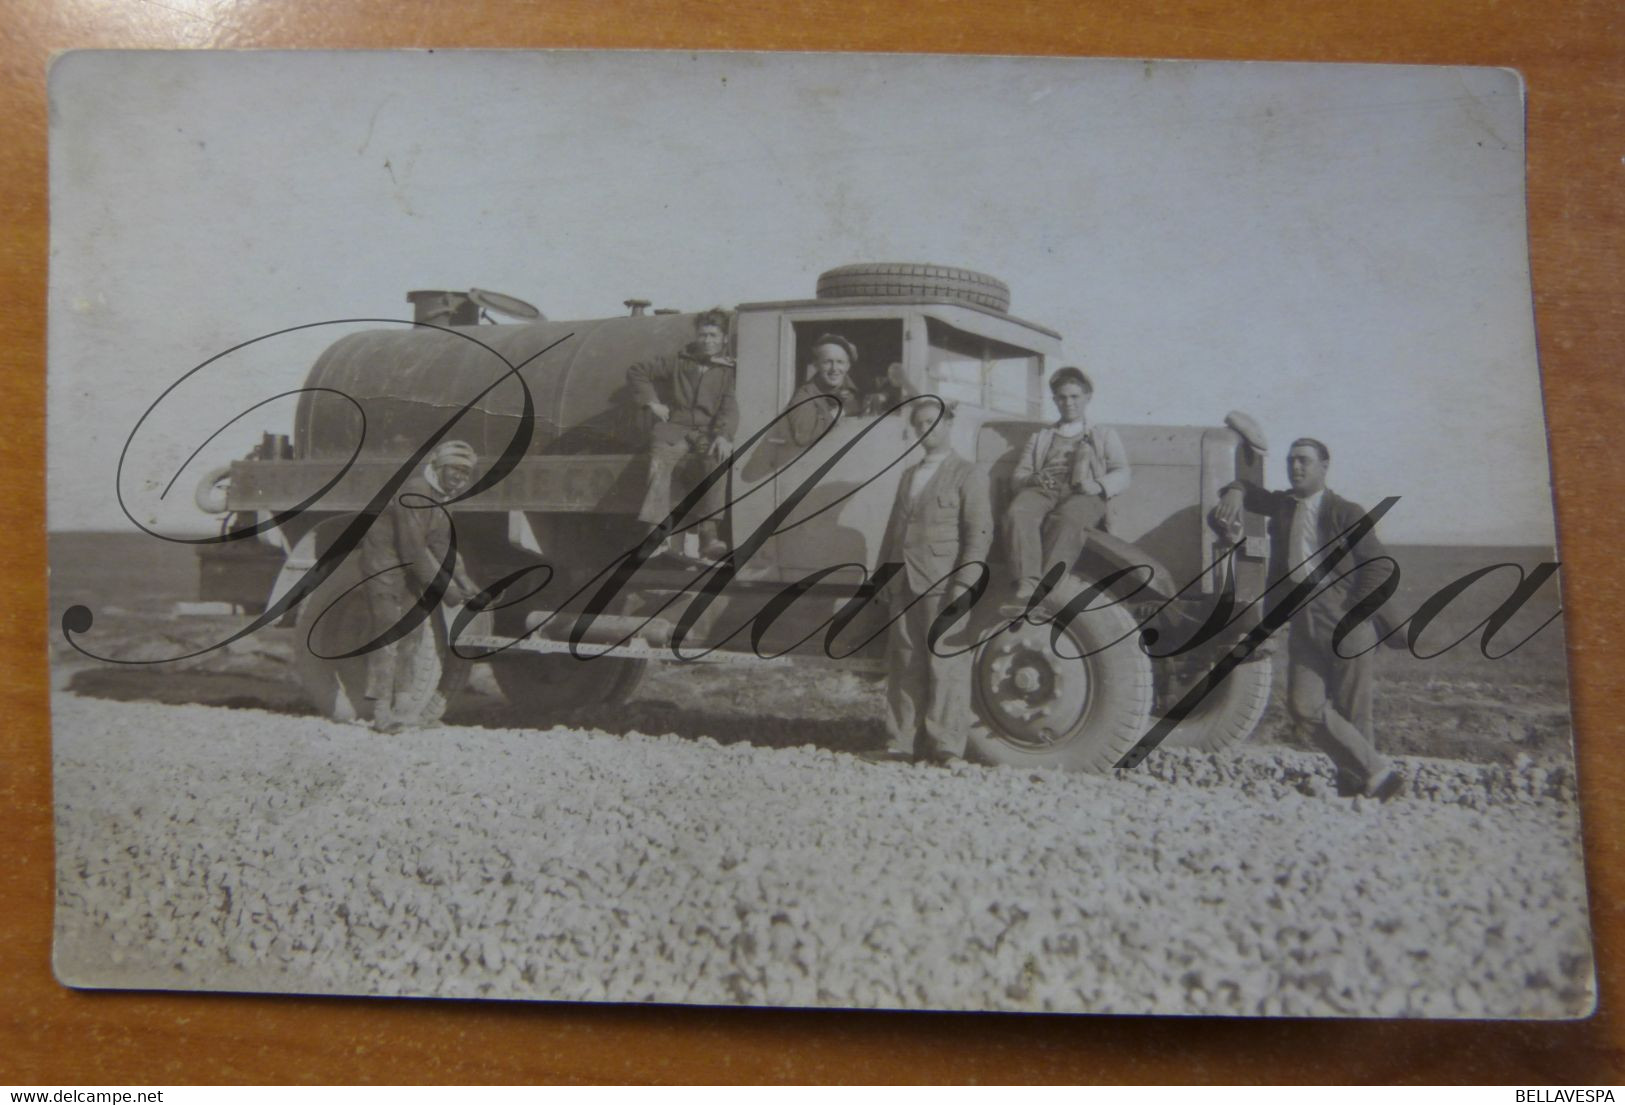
column 453, row 452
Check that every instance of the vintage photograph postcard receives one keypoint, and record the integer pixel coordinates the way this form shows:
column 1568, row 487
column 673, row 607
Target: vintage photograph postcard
column 879, row 532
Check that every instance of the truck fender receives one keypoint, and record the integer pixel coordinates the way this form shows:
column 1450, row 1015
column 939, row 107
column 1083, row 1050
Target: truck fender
column 1106, row 554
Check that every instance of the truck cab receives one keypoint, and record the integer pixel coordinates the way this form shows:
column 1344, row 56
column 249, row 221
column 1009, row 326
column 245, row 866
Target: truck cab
column 992, row 366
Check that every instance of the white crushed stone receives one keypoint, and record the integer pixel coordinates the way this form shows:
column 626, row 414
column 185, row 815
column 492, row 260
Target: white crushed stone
column 201, row 847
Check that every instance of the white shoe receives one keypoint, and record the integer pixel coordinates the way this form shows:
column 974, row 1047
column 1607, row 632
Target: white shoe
column 1387, row 786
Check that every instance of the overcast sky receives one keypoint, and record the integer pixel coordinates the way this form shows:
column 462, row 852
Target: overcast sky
column 1338, row 250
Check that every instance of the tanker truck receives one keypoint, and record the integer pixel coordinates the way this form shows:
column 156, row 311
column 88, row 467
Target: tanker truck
column 1076, row 696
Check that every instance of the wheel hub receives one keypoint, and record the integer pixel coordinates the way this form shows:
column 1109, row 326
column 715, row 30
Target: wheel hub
column 1029, row 696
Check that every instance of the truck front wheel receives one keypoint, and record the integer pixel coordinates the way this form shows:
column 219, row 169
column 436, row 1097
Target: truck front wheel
column 1079, row 702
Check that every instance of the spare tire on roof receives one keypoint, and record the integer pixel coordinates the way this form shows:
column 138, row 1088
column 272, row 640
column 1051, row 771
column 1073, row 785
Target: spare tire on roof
column 898, row 278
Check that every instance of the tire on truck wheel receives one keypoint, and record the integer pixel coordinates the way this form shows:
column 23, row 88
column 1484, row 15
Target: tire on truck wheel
column 906, row 280
column 1229, row 714
column 1038, row 706
column 543, row 685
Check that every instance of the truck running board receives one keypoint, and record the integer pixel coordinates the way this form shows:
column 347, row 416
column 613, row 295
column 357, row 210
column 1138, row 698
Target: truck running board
column 641, row 649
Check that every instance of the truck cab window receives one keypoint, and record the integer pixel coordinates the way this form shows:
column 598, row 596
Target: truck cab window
column 879, row 342
column 969, row 368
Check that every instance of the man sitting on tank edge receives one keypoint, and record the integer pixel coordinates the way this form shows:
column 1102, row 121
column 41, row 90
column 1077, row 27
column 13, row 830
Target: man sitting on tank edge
column 691, row 396
column 1065, row 477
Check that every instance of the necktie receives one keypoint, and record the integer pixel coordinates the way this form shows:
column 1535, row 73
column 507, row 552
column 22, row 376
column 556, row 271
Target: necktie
column 1299, row 546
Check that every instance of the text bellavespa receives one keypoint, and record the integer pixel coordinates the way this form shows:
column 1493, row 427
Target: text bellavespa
column 613, row 578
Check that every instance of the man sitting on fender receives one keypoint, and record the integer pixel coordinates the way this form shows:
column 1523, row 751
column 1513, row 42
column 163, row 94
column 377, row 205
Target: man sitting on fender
column 1063, row 481
column 691, row 395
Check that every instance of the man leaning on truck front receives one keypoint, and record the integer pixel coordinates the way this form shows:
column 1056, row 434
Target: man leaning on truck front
column 691, row 395
column 1065, row 477
column 1329, row 688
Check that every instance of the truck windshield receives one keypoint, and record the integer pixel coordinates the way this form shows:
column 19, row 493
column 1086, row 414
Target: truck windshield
column 968, row 368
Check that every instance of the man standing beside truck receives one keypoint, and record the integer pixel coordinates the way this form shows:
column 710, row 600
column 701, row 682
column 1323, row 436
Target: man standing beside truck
column 1329, row 685
column 402, row 555
column 940, row 521
column 691, row 397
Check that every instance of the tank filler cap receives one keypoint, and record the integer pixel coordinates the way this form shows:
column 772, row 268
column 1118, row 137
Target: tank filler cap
column 637, row 306
column 500, row 304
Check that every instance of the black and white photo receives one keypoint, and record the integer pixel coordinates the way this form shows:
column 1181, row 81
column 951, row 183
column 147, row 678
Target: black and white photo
column 899, row 532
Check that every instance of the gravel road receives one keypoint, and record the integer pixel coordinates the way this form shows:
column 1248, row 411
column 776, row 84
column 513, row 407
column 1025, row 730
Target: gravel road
column 220, row 848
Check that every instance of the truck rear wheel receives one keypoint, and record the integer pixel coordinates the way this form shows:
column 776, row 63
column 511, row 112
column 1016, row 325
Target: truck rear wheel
column 332, row 620
column 1079, row 705
column 1229, row 715
column 542, row 685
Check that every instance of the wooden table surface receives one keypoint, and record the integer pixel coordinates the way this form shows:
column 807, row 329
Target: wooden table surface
column 1573, row 58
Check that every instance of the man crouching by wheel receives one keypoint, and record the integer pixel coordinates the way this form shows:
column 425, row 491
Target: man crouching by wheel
column 410, row 679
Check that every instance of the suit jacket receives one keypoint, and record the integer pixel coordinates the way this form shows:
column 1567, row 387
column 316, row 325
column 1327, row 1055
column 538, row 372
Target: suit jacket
column 1337, row 515
column 948, row 524
column 703, row 402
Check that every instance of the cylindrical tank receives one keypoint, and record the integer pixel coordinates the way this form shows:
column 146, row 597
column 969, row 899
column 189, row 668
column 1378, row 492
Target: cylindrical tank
column 409, row 381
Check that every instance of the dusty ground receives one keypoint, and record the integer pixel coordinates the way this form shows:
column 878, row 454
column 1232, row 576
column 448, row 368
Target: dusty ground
column 692, row 846
column 202, row 846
